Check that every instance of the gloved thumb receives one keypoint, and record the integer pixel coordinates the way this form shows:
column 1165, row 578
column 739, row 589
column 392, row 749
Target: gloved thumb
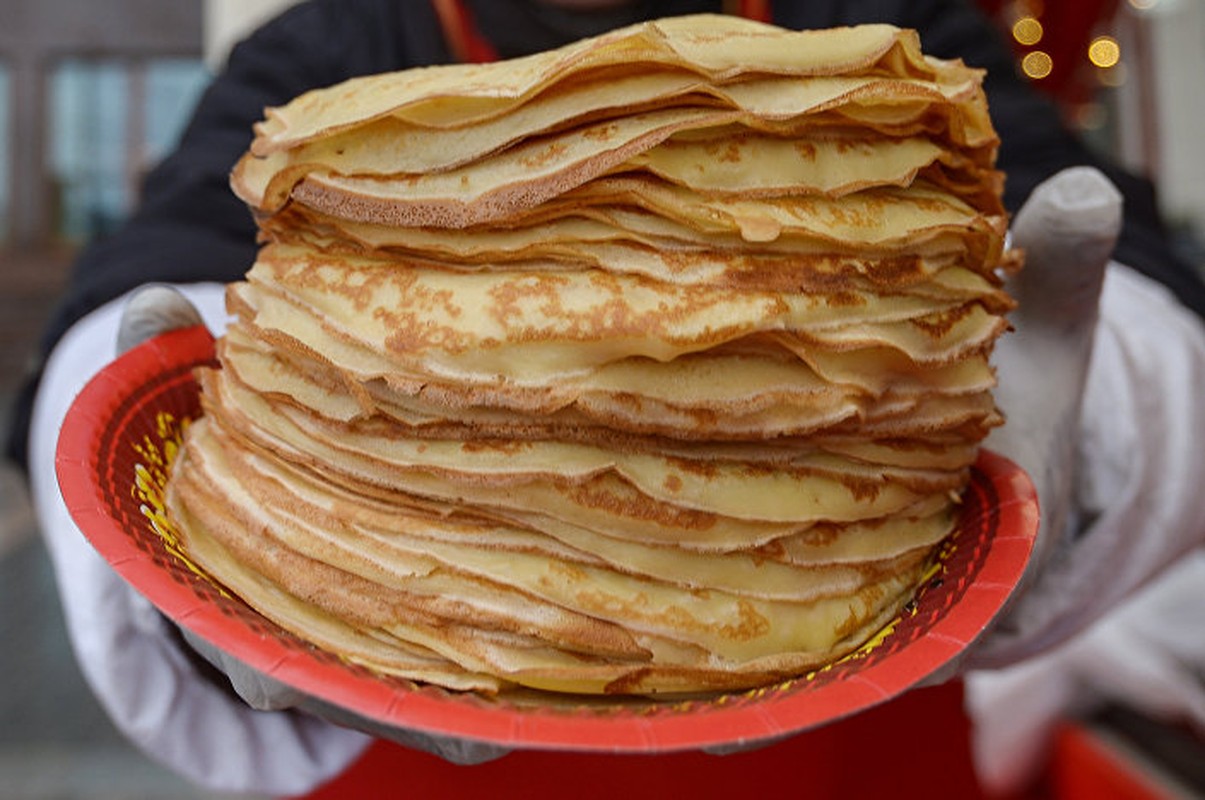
column 1067, row 229
column 151, row 310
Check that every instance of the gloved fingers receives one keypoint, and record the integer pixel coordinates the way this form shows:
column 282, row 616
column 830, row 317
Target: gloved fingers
column 457, row 750
column 257, row 690
column 142, row 677
column 1137, row 501
column 151, row 310
column 1067, row 228
column 265, row 693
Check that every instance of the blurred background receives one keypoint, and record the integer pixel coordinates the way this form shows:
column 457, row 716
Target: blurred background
column 93, row 94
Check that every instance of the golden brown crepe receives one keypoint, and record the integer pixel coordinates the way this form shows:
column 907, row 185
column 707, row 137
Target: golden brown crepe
column 652, row 364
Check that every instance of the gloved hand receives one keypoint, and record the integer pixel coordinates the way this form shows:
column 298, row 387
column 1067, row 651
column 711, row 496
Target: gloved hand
column 1067, row 230
column 1119, row 476
column 1099, row 388
column 128, row 653
column 265, row 693
column 151, row 685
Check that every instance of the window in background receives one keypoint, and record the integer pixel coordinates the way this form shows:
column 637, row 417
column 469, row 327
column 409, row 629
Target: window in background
column 87, row 146
column 173, row 87
column 110, row 121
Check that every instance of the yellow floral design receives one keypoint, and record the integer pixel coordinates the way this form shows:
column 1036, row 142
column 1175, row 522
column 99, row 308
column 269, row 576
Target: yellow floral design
column 157, row 454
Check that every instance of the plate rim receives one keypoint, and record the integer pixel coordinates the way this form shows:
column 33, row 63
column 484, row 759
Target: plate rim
column 741, row 718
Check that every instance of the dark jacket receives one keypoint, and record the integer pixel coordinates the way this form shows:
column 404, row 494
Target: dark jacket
column 190, row 227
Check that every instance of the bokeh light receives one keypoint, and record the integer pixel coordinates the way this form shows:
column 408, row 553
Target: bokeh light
column 1037, row 65
column 1027, row 31
column 1104, row 52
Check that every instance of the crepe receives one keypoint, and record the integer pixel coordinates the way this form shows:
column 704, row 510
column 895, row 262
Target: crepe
column 653, row 364
column 714, row 47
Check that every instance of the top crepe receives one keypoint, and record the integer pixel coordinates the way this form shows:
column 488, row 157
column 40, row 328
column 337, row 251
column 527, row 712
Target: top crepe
column 717, row 49
column 466, row 144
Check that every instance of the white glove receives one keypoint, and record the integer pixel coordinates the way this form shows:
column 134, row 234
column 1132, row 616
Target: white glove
column 127, row 651
column 1067, row 229
column 1133, row 505
column 281, row 741
column 150, row 310
column 1103, row 405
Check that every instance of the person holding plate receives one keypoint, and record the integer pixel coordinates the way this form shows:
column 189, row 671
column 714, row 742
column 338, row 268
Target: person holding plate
column 1100, row 382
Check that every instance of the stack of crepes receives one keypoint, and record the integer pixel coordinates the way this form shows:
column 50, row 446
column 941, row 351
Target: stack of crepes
column 655, row 363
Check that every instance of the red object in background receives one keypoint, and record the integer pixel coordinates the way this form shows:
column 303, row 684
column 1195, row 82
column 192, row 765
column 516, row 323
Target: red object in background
column 916, row 747
column 1084, row 764
column 1068, row 26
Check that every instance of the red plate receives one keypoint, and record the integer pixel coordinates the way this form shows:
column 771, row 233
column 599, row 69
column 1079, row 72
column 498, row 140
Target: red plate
column 122, row 432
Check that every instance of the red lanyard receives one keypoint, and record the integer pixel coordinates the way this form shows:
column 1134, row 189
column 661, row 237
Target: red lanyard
column 469, row 46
